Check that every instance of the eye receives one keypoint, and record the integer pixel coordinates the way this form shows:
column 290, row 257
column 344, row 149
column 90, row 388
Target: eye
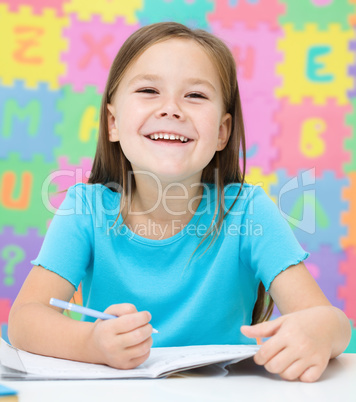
column 197, row 95
column 147, row 91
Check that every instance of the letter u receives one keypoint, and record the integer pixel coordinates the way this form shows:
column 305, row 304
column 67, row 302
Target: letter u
column 8, row 187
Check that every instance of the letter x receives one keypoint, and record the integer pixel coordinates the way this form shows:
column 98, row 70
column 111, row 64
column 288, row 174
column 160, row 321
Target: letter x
column 96, row 49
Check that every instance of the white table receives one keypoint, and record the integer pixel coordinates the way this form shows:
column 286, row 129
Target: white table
column 245, row 382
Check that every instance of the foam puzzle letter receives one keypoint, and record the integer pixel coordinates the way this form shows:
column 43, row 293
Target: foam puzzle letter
column 8, row 189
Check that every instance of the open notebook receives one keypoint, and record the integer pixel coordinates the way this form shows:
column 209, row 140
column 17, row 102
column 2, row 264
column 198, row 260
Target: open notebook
column 162, row 362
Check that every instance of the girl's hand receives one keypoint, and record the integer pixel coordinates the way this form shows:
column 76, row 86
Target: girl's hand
column 300, row 345
column 122, row 342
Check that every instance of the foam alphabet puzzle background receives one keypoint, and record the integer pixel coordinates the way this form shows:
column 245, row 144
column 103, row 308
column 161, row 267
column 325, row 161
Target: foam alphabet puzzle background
column 296, row 64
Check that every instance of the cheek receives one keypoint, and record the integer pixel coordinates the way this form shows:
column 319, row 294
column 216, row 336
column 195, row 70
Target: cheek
column 128, row 150
column 134, row 115
column 210, row 126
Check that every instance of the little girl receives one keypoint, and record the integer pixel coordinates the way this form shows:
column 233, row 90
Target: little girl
column 168, row 232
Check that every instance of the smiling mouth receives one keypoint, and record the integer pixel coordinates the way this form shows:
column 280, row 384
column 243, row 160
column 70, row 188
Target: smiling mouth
column 166, row 137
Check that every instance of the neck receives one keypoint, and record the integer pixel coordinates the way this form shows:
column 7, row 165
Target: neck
column 163, row 201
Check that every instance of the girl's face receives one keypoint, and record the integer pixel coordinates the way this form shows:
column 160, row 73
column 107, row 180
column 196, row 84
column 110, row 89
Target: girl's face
column 172, row 90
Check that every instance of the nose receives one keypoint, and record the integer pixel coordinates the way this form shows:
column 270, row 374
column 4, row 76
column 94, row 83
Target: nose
column 170, row 110
column 175, row 115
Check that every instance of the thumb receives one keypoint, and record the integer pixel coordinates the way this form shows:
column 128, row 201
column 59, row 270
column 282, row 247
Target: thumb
column 263, row 329
column 121, row 309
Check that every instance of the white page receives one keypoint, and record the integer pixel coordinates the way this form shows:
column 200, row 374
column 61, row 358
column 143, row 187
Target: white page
column 167, row 360
column 161, row 362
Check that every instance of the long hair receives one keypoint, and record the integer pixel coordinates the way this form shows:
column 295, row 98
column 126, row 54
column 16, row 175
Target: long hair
column 111, row 167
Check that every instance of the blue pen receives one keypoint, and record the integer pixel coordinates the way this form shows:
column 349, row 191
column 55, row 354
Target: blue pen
column 84, row 310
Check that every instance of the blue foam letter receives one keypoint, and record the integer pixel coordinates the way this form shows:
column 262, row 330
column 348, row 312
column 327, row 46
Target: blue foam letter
column 313, row 66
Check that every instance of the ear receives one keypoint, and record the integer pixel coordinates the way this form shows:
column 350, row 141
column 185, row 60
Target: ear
column 113, row 130
column 224, row 131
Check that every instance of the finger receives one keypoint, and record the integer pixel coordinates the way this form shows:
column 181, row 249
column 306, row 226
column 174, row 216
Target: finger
column 139, row 350
column 269, row 349
column 263, row 330
column 294, row 370
column 121, row 309
column 312, row 373
column 129, row 322
column 280, row 362
column 136, row 336
column 302, row 370
column 131, row 364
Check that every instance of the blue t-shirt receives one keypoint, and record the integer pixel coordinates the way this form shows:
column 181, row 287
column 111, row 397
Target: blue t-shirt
column 201, row 302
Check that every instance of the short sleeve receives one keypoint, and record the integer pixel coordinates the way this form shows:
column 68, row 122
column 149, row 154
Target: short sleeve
column 268, row 246
column 67, row 247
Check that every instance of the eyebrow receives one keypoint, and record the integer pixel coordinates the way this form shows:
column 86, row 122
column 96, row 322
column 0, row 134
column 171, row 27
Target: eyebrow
column 155, row 78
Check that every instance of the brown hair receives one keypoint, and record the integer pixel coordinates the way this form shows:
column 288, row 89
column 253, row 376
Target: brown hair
column 111, row 167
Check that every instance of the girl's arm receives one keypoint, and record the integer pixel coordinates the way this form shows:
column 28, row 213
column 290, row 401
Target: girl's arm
column 309, row 333
column 37, row 327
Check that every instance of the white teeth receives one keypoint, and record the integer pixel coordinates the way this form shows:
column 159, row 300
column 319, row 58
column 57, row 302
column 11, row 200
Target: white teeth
column 166, row 136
